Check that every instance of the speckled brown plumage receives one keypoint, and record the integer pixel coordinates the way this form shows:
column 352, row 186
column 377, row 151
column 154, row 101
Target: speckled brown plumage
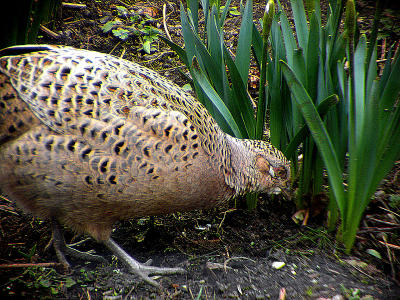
column 90, row 139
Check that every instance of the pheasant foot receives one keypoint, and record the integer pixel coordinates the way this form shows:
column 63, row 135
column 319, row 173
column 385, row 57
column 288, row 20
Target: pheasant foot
column 142, row 270
column 61, row 248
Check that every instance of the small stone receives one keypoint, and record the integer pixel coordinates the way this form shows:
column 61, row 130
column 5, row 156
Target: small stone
column 278, row 264
column 184, row 288
column 221, row 287
column 233, row 295
column 367, row 297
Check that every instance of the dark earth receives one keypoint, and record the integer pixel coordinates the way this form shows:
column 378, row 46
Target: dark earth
column 228, row 252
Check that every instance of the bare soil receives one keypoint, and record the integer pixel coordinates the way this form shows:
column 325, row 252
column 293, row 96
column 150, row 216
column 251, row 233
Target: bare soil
column 228, row 252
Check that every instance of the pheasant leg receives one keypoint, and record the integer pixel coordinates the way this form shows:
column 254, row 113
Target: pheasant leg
column 142, row 270
column 61, row 247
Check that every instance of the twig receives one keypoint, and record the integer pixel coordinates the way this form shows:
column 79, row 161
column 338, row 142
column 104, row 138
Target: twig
column 8, row 209
column 130, row 292
column 236, row 258
column 165, row 22
column 28, row 265
column 73, row 5
column 49, row 32
column 116, row 45
column 361, row 271
column 88, row 294
column 388, row 210
column 282, row 294
column 159, row 55
column 389, row 245
column 383, row 222
column 390, row 255
column 383, row 48
column 377, row 229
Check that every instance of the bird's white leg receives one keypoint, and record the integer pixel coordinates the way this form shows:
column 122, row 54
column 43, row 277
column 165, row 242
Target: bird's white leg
column 61, row 247
column 142, row 270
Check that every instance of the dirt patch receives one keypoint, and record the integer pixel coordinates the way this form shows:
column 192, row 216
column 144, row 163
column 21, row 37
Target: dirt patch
column 228, row 253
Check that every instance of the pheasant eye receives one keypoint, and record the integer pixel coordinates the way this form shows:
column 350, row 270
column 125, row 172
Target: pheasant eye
column 280, row 172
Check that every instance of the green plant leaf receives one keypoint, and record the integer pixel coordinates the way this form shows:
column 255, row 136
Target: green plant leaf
column 312, row 57
column 176, row 48
column 194, row 11
column 147, row 47
column 300, row 21
column 214, row 98
column 319, row 133
column 323, row 109
column 257, row 45
column 241, row 102
column 225, row 13
column 242, row 59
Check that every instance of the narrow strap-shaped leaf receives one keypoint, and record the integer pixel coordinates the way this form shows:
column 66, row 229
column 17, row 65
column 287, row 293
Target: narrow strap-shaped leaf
column 372, row 73
column 257, row 45
column 194, row 10
column 211, row 66
column 317, row 10
column 374, row 32
column 205, row 5
column 242, row 100
column 359, row 85
column 188, row 35
column 176, row 48
column 389, row 150
column 364, row 159
column 312, row 58
column 392, row 86
column 319, row 133
column 300, row 22
column 323, row 109
column 299, row 65
column 288, row 37
column 215, row 99
column 242, row 59
column 224, row 13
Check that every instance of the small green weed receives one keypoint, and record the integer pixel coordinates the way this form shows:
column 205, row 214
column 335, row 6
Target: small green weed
column 129, row 24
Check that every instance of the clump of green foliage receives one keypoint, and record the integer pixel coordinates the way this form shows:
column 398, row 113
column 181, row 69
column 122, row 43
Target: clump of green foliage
column 326, row 104
column 127, row 24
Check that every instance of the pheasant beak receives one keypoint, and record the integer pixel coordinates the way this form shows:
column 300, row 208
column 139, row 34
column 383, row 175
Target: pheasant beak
column 284, row 175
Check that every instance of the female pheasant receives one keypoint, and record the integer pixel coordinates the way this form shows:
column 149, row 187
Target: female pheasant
column 87, row 139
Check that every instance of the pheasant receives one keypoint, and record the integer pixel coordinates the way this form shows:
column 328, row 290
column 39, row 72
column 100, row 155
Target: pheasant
column 87, row 139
